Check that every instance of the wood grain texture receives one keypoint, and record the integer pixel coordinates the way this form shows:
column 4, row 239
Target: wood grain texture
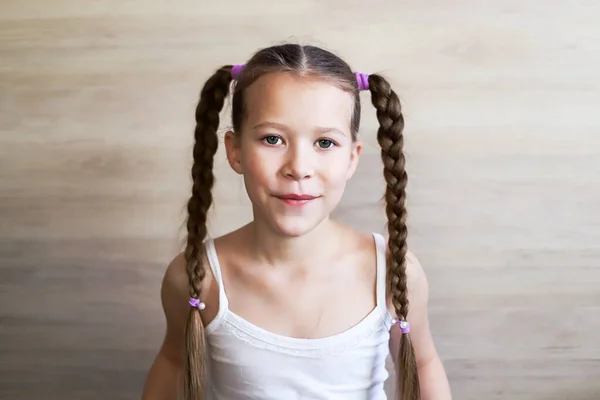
column 503, row 143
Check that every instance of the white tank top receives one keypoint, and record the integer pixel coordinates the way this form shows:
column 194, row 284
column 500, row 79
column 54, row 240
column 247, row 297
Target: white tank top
column 247, row 362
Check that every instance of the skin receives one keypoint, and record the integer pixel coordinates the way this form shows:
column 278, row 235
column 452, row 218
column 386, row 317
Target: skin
column 294, row 271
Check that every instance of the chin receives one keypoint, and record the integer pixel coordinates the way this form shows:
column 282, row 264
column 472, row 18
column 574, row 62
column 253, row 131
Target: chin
column 295, row 226
column 289, row 221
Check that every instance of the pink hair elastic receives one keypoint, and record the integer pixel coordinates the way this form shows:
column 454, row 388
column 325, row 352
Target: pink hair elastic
column 196, row 303
column 361, row 79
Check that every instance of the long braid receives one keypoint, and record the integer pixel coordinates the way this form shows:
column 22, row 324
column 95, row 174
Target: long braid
column 389, row 136
column 212, row 99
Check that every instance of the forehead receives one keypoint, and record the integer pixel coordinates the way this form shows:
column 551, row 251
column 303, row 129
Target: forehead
column 299, row 102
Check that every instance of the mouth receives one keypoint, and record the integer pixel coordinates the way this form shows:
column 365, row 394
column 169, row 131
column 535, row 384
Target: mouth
column 296, row 199
column 293, row 196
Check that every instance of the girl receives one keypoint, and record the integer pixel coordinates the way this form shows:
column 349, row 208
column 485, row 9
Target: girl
column 294, row 305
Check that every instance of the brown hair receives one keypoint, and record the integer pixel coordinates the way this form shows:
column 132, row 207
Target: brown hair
column 302, row 61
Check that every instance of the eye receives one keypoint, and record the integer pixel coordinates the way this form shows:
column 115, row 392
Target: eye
column 325, row 143
column 271, row 140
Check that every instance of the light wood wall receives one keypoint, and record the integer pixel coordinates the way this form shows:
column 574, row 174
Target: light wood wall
column 503, row 141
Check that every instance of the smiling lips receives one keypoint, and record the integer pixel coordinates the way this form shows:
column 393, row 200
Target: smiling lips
column 294, row 199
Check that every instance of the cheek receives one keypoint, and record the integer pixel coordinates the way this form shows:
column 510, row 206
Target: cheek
column 336, row 172
column 335, row 186
column 257, row 170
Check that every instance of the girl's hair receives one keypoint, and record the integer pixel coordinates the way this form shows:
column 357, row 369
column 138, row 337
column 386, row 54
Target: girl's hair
column 303, row 61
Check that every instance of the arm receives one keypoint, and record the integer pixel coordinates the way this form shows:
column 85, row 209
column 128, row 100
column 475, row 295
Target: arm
column 162, row 382
column 432, row 376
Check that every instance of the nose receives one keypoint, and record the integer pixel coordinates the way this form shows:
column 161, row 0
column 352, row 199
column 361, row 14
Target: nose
column 299, row 163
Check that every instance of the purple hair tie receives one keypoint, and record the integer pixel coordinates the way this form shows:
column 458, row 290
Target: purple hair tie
column 362, row 80
column 403, row 325
column 236, row 70
column 196, row 303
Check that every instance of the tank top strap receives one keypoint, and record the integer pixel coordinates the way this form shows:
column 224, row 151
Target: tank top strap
column 381, row 292
column 215, row 267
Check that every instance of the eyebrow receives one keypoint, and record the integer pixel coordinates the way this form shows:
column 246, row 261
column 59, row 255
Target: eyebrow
column 320, row 129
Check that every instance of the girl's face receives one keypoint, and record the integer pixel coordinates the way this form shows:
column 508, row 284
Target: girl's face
column 295, row 150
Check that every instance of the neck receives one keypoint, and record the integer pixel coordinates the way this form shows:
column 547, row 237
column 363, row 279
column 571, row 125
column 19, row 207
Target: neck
column 271, row 248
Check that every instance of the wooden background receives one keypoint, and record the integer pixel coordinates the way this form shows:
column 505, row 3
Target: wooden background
column 503, row 137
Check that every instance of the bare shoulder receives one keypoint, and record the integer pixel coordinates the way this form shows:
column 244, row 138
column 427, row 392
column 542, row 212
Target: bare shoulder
column 175, row 280
column 417, row 286
column 174, row 294
column 418, row 299
column 175, row 290
column 356, row 239
column 416, row 278
column 361, row 246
